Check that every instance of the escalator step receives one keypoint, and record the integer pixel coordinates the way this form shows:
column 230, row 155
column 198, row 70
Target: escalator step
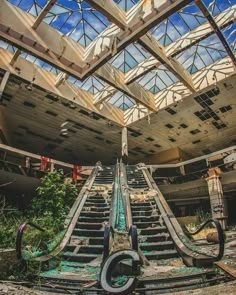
column 88, row 232
column 155, row 255
column 88, row 249
column 158, row 246
column 93, row 219
column 89, row 226
column 80, row 257
column 153, row 231
column 145, row 225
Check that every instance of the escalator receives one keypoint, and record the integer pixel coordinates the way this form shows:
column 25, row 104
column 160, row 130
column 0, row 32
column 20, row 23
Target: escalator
column 162, row 241
column 126, row 201
column 154, row 238
column 77, row 259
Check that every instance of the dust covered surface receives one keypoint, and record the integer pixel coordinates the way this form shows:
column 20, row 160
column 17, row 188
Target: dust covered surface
column 11, row 289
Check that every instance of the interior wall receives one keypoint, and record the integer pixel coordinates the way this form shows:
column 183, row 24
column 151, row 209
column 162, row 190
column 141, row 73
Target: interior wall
column 173, row 155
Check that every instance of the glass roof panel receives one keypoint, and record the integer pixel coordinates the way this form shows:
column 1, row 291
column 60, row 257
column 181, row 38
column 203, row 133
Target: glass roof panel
column 156, row 80
column 178, row 24
column 30, row 58
column 34, row 7
column 77, row 19
column 39, row 63
column 74, row 18
column 230, row 35
column 121, row 101
column 202, row 54
column 91, row 84
column 129, row 58
column 217, row 6
column 7, row 46
column 126, row 4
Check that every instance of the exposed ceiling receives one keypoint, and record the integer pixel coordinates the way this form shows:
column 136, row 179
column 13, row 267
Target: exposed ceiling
column 165, row 69
column 198, row 125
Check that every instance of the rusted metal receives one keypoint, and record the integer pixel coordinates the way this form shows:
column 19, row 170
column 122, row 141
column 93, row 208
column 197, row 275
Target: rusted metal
column 226, row 268
column 190, row 257
column 108, row 234
column 20, row 232
column 220, row 234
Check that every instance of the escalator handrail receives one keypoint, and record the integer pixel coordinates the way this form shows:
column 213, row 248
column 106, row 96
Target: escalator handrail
column 191, row 257
column 220, row 233
column 108, row 232
column 126, row 198
column 70, row 220
column 133, row 233
column 19, row 238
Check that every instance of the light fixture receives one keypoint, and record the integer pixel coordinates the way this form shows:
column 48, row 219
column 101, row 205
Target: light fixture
column 29, row 86
column 64, row 124
column 72, row 105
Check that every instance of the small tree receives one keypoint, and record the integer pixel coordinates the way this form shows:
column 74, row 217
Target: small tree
column 54, row 198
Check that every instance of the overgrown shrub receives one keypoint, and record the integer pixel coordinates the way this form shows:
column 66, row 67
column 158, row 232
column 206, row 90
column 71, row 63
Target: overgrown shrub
column 54, row 198
column 49, row 207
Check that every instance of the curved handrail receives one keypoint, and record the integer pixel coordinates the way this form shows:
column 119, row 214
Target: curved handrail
column 69, row 223
column 19, row 237
column 108, row 231
column 219, row 232
column 188, row 252
column 133, row 233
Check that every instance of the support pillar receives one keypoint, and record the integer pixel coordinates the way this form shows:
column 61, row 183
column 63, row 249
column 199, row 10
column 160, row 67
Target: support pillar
column 218, row 202
column 124, row 145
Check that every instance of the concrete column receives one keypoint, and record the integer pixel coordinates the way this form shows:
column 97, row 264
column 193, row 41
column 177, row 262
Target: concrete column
column 124, row 145
column 218, row 202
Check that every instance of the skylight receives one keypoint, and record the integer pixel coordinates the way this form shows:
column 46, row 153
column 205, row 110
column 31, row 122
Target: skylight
column 178, row 24
column 121, row 101
column 156, row 80
column 202, row 54
column 129, row 58
column 126, row 4
column 74, row 18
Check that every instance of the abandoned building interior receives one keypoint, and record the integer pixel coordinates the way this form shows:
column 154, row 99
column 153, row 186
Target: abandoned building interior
column 117, row 147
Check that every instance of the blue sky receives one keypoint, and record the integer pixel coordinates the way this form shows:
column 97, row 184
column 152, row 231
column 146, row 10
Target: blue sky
column 82, row 23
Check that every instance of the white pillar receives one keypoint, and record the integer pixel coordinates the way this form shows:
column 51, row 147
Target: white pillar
column 218, row 202
column 124, row 144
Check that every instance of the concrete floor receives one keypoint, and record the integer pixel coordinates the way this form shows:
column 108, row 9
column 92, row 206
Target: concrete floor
column 226, row 288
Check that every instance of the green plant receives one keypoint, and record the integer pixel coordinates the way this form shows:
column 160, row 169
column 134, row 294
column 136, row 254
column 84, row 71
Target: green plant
column 52, row 202
column 202, row 216
column 54, row 198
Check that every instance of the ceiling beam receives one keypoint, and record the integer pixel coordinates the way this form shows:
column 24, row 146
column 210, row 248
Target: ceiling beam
column 35, row 25
column 37, row 42
column 143, row 9
column 4, row 82
column 157, row 51
column 105, row 93
column 202, row 32
column 61, row 78
column 216, row 29
column 43, row 13
column 46, row 80
column 177, row 92
column 111, row 10
column 47, row 43
column 140, row 20
column 15, row 56
column 115, row 78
